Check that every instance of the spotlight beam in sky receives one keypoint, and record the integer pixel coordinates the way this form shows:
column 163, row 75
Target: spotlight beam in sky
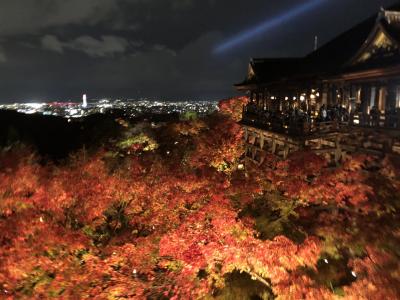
column 268, row 25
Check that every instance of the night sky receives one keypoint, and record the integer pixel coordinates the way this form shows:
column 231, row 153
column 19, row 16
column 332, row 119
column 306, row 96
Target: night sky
column 59, row 49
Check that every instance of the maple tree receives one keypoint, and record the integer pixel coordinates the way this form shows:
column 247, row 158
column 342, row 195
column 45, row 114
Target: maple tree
column 219, row 147
column 233, row 107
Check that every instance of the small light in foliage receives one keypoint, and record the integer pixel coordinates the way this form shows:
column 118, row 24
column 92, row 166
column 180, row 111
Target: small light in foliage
column 354, row 274
column 326, row 261
column 241, row 167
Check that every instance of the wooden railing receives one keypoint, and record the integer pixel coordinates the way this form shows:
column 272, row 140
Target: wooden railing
column 388, row 120
column 305, row 124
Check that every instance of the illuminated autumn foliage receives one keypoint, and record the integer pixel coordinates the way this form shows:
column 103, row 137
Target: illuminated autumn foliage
column 233, row 107
column 165, row 213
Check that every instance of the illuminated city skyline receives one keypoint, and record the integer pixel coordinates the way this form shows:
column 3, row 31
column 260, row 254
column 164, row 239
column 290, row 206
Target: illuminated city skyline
column 132, row 108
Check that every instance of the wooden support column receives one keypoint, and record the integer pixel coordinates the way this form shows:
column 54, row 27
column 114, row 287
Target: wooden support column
column 261, row 141
column 338, row 150
column 273, row 149
column 286, row 150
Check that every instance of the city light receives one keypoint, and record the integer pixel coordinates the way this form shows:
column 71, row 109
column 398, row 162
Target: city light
column 131, row 108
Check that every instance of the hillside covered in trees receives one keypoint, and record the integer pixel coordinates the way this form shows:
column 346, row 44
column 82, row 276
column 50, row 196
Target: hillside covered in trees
column 171, row 211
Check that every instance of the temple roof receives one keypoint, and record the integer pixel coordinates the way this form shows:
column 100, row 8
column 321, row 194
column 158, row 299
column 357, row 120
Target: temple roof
column 373, row 43
column 270, row 69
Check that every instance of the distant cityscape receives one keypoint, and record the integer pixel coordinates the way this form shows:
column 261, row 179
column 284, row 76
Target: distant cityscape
column 132, row 108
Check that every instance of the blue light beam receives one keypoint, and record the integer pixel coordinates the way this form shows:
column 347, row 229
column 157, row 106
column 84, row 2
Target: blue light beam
column 268, row 25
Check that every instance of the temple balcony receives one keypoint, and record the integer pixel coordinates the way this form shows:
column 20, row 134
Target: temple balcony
column 299, row 123
column 334, row 136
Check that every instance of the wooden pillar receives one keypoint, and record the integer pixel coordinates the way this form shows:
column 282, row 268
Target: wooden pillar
column 365, row 97
column 261, row 141
column 391, row 96
column 383, row 98
column 273, row 148
column 265, row 99
column 343, row 96
column 331, row 93
column 324, row 94
column 286, row 150
column 346, row 97
column 257, row 98
column 352, row 98
column 375, row 96
column 337, row 96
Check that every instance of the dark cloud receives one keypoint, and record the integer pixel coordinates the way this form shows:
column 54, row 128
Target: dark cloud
column 106, row 45
column 58, row 49
column 30, row 16
column 51, row 42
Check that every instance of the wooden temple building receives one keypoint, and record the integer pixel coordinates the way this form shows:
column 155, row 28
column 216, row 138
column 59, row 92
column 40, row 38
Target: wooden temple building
column 344, row 97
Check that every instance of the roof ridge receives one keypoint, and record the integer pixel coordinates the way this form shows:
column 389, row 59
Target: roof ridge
column 261, row 59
